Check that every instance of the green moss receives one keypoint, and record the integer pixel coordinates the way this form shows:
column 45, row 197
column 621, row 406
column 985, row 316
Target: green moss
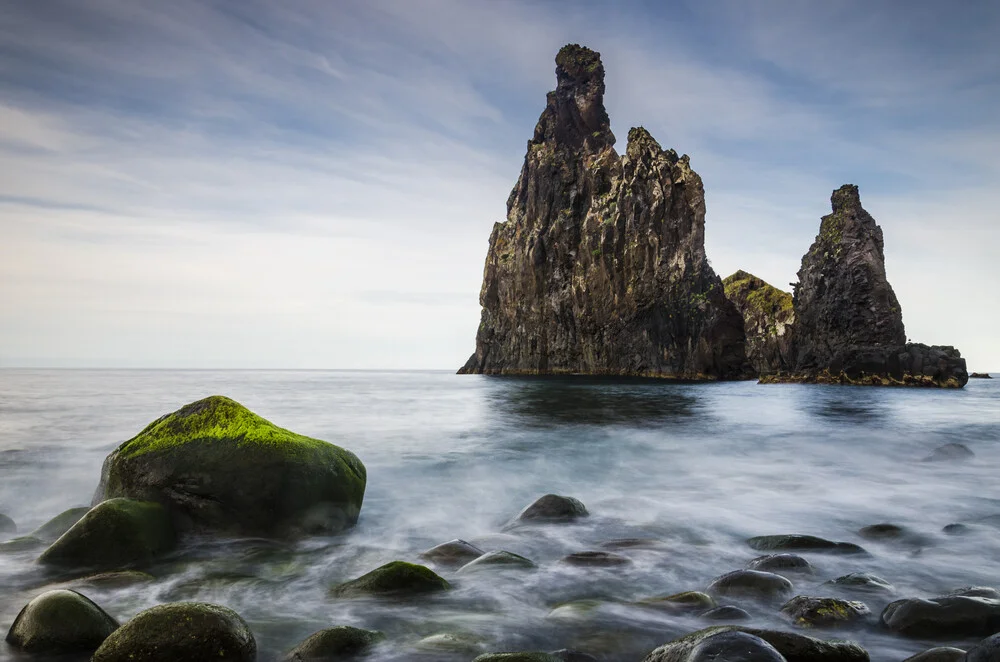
column 596, row 252
column 337, row 642
column 395, row 578
column 758, row 294
column 60, row 621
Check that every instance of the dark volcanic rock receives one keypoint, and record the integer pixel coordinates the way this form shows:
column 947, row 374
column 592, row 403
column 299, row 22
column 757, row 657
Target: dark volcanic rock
column 768, row 317
column 862, row 582
column 596, row 559
column 948, row 616
column 848, row 322
column 792, row 647
column 600, row 267
column 726, row 613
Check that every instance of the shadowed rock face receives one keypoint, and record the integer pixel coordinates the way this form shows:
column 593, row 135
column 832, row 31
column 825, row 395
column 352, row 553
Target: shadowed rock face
column 600, row 267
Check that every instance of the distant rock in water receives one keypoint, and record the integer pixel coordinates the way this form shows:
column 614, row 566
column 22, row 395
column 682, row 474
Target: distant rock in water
column 848, row 322
column 980, row 375
column 768, row 317
column 600, row 267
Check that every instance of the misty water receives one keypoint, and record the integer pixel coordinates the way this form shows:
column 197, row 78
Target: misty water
column 691, row 470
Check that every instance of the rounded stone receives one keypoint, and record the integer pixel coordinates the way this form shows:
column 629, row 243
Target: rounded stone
column 941, row 654
column 397, row 578
column 60, row 621
column 334, row 643
column 596, row 559
column 726, row 613
column 862, row 582
column 750, row 583
column 686, row 601
column 60, row 524
column 452, row 553
column 779, row 563
column 987, row 650
column 497, row 560
column 946, row 616
column 553, row 508
column 115, row 580
column 181, row 631
column 824, row 612
column 802, row 543
column 884, row 531
column 734, row 646
column 535, row 656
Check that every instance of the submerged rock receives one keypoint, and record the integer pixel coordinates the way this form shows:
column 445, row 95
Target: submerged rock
column 115, row 580
column 848, row 322
column 452, row 553
column 824, row 612
column 688, row 601
column 943, row 654
column 596, row 559
column 800, row 543
column 181, row 631
column 791, row 646
column 883, row 532
column 726, row 613
column 600, row 267
column 336, row 643
column 498, row 558
column 7, row 525
column 779, row 563
column 220, row 468
column 768, row 317
column 451, row 642
column 947, row 616
column 953, row 452
column 20, row 544
column 750, row 583
column 863, row 582
column 553, row 508
column 60, row 524
column 987, row 650
column 397, row 578
column 60, row 621
column 114, row 535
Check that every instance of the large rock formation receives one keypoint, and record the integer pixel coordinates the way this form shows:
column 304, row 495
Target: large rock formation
column 768, row 317
column 600, row 267
column 848, row 322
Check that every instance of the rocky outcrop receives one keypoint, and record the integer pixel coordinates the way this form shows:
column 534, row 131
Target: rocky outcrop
column 600, row 267
column 768, row 318
column 848, row 322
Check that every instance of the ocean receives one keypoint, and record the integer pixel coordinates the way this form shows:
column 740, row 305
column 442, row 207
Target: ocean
column 685, row 472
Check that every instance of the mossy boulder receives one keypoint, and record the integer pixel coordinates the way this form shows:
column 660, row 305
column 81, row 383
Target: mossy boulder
column 60, row 621
column 220, row 468
column 498, row 559
column 750, row 584
column 115, row 534
column 535, row 656
column 824, row 612
column 60, row 524
column 336, row 643
column 801, row 543
column 553, row 508
column 398, row 578
column 792, row 647
column 452, row 553
column 181, row 631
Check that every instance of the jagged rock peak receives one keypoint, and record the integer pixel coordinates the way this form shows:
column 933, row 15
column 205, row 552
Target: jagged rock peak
column 574, row 115
column 846, row 199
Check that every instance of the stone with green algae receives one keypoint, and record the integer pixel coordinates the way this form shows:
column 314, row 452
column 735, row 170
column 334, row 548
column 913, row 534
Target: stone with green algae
column 60, row 621
column 397, row 578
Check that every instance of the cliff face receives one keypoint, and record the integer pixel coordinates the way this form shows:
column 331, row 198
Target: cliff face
column 768, row 317
column 600, row 267
column 848, row 323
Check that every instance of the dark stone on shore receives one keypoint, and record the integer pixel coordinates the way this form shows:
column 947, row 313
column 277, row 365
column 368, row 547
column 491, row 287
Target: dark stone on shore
column 60, row 621
column 792, row 646
column 567, row 655
column 553, row 508
column 498, row 559
column 942, row 654
column 953, row 452
column 20, row 544
column 452, row 553
column 7, row 525
column 337, row 643
column 397, row 578
column 596, row 559
column 947, row 616
column 824, row 612
column 863, row 582
column 537, row 656
column 987, row 650
column 688, row 601
column 750, row 583
column 222, row 470
column 779, row 563
column 980, row 375
column 181, row 631
column 801, row 543
column 114, row 535
column 60, row 524
column 726, row 613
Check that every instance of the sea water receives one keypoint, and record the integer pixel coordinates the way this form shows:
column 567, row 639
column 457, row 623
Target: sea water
column 690, row 470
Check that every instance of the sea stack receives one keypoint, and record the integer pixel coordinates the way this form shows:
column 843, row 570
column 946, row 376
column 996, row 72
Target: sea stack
column 600, row 267
column 769, row 320
column 848, row 322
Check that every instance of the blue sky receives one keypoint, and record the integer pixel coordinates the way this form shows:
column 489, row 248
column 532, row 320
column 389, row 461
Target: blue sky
column 311, row 184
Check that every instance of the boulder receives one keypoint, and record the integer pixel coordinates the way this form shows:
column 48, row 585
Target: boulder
column 60, row 621
column 750, row 583
column 824, row 612
column 114, row 535
column 726, row 613
column 596, row 559
column 20, row 544
column 801, row 543
column 452, row 553
column 181, row 631
column 221, row 469
column 791, row 646
column 953, row 452
column 883, row 531
column 947, row 616
column 336, row 643
column 976, row 592
column 863, row 582
column 781, row 563
column 498, row 559
column 987, row 650
column 687, row 601
column 732, row 646
column 553, row 508
column 60, row 524
column 943, row 654
column 397, row 578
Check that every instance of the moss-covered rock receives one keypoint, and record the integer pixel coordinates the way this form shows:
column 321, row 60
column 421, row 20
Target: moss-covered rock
column 801, row 543
column 553, row 508
column 7, row 525
column 498, row 559
column 181, row 631
column 336, row 643
column 397, row 578
column 452, row 553
column 114, row 535
column 824, row 612
column 535, row 656
column 60, row 621
column 220, row 468
column 793, row 647
column 750, row 583
column 768, row 318
column 60, row 524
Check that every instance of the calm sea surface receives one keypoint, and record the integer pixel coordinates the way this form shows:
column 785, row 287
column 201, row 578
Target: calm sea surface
column 694, row 469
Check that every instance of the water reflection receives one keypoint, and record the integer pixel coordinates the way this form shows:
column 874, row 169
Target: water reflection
column 551, row 401
column 845, row 404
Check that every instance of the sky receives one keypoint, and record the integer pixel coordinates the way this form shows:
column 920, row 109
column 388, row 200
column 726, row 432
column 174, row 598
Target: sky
column 312, row 184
